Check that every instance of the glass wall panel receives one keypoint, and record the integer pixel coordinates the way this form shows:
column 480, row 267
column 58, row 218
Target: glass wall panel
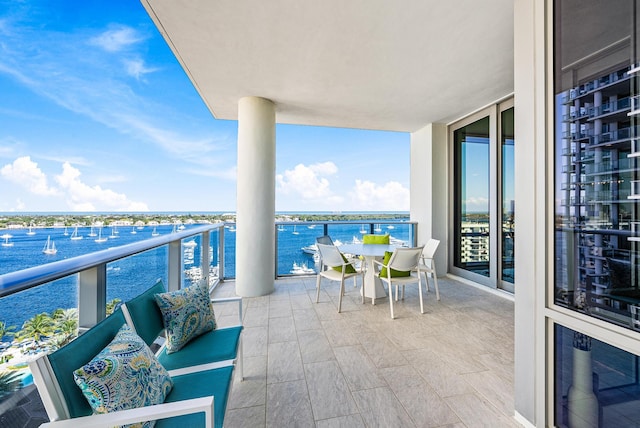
column 596, row 384
column 508, row 195
column 471, row 181
column 595, row 69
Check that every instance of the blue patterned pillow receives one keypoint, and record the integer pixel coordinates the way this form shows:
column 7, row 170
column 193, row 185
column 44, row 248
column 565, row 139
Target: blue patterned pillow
column 186, row 313
column 124, row 375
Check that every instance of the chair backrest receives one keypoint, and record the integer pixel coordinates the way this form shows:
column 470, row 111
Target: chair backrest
column 405, row 259
column 143, row 314
column 53, row 373
column 430, row 248
column 330, row 255
column 324, row 239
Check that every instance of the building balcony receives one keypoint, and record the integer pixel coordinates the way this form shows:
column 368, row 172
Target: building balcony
column 307, row 364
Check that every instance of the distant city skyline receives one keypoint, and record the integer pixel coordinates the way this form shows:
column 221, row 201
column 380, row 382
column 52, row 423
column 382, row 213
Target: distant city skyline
column 97, row 115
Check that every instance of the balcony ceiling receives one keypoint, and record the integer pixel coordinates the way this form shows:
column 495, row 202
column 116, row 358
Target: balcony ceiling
column 370, row 64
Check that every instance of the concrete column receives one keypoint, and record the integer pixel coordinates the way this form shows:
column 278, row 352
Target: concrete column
column 429, row 197
column 255, row 207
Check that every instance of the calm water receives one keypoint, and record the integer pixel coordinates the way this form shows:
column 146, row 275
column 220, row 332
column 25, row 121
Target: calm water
column 128, row 277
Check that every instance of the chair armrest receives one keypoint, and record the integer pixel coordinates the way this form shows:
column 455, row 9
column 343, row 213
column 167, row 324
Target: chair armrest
column 142, row 414
column 231, row 299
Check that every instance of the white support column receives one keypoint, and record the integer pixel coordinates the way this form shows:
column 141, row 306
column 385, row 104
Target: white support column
column 92, row 292
column 255, row 210
column 429, row 196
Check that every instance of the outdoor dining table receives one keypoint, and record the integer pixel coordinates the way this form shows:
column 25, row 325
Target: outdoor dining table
column 372, row 286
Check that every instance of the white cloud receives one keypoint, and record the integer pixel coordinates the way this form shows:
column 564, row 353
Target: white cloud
column 391, row 196
column 477, row 204
column 116, row 39
column 82, row 197
column 309, row 183
column 26, row 173
column 137, row 68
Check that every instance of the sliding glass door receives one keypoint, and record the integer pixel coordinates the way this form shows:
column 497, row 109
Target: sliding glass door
column 483, row 203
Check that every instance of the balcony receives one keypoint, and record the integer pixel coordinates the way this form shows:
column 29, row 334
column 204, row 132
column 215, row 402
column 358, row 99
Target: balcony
column 307, row 364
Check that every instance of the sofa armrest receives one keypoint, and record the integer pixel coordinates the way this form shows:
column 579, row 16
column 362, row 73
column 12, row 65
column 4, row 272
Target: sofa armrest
column 231, row 299
column 142, row 414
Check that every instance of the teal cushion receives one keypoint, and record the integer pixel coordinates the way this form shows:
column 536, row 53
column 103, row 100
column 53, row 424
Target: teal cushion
column 145, row 314
column 394, row 273
column 217, row 345
column 186, row 314
column 216, row 382
column 348, row 269
column 124, row 375
column 376, row 239
column 76, row 354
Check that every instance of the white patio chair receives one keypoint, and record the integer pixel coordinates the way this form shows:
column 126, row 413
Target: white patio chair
column 428, row 265
column 406, row 262
column 335, row 267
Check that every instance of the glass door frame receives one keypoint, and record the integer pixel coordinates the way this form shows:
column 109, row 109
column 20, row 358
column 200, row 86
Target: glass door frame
column 494, row 280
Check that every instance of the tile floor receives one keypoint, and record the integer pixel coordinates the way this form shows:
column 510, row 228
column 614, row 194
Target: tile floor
column 308, row 366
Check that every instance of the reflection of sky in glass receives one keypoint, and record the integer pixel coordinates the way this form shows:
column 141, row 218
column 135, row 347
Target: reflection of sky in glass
column 475, row 180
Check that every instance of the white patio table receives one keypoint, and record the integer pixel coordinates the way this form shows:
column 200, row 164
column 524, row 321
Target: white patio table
column 372, row 285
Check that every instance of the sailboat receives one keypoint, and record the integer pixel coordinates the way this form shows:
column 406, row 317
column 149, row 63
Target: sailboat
column 114, row 232
column 295, row 232
column 6, row 242
column 92, row 233
column 155, row 232
column 133, row 231
column 50, row 247
column 378, row 228
column 100, row 238
column 75, row 236
column 31, row 232
column 66, row 232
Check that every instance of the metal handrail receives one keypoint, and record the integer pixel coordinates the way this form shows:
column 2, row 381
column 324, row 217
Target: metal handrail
column 14, row 282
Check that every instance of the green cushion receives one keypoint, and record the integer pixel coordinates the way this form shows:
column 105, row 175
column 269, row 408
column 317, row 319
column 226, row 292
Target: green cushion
column 394, row 273
column 376, row 239
column 349, row 268
column 215, row 382
column 216, row 345
column 146, row 315
column 186, row 313
column 124, row 375
column 79, row 352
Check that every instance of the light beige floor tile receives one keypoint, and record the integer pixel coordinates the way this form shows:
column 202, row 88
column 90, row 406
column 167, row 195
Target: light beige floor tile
column 284, row 362
column 494, row 389
column 252, row 390
column 380, row 408
column 245, row 417
column 256, row 316
column 351, row 421
column 306, row 319
column 288, row 405
column 357, row 368
column 254, row 341
column 281, row 330
column 314, row 346
column 475, row 411
column 328, row 390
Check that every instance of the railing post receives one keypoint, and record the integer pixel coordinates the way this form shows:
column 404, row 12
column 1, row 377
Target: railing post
column 92, row 295
column 275, row 259
column 205, row 255
column 221, row 254
column 174, row 265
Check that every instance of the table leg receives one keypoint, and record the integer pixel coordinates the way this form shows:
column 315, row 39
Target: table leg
column 373, row 288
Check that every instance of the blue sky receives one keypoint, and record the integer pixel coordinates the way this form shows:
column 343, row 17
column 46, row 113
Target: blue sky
column 97, row 115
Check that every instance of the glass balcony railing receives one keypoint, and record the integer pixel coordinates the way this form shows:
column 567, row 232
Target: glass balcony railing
column 73, row 294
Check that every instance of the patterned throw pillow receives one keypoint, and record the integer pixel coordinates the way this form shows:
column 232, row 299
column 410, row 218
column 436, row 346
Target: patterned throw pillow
column 186, row 313
column 124, row 375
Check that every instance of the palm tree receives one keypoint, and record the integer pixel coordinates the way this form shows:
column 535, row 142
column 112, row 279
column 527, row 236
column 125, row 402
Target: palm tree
column 36, row 327
column 112, row 305
column 9, row 382
column 66, row 325
column 6, row 330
